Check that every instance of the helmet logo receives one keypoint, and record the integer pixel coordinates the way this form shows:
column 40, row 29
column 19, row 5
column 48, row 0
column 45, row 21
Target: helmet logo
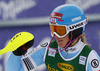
column 75, row 26
column 53, row 20
column 77, row 18
column 56, row 15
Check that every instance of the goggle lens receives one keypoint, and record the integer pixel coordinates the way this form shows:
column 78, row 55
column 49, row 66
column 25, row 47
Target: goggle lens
column 60, row 30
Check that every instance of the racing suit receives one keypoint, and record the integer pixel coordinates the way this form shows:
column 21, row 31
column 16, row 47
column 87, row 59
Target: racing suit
column 79, row 57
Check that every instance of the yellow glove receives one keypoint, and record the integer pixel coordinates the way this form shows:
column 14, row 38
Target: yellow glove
column 17, row 41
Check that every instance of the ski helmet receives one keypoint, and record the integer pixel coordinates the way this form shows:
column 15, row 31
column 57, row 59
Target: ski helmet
column 69, row 16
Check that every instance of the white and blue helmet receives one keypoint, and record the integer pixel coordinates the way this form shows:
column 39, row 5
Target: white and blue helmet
column 69, row 15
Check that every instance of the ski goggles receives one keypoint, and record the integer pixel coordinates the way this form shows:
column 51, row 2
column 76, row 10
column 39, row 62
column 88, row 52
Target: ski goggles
column 60, row 31
column 63, row 30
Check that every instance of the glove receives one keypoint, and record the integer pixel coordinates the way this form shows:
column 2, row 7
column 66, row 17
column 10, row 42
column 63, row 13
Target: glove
column 23, row 49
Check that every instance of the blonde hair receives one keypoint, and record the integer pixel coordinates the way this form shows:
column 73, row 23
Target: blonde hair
column 83, row 39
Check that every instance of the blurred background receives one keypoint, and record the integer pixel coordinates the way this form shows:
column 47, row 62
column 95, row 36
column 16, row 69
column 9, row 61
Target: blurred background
column 33, row 16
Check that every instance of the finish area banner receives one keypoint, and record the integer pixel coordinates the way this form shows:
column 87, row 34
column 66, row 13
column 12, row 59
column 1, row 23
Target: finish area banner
column 24, row 9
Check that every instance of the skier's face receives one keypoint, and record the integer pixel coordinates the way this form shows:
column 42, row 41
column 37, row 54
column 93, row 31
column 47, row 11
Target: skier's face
column 62, row 41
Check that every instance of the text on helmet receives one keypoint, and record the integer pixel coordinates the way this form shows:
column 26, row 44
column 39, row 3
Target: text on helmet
column 77, row 18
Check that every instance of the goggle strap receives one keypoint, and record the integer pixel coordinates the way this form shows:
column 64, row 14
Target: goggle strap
column 66, row 45
column 71, row 41
column 50, row 41
column 77, row 25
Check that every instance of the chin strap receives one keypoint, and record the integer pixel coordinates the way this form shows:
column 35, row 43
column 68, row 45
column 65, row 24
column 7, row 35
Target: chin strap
column 69, row 43
column 57, row 48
